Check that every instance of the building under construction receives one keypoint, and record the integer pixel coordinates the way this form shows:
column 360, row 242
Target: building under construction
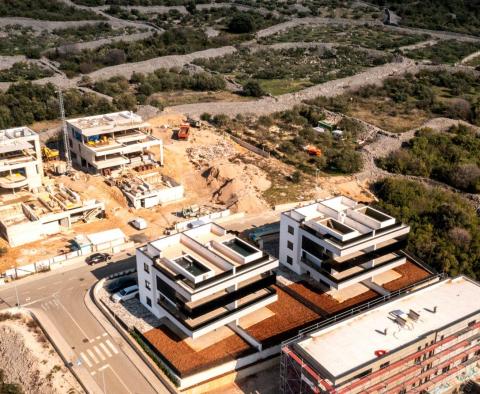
column 53, row 209
column 20, row 160
column 145, row 187
column 424, row 341
column 111, row 142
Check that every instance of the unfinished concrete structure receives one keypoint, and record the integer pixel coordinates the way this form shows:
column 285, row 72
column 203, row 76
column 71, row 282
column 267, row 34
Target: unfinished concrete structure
column 20, row 160
column 110, row 142
column 145, row 189
column 426, row 341
column 205, row 278
column 50, row 211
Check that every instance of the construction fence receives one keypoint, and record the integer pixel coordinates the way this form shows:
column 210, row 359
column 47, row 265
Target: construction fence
column 63, row 259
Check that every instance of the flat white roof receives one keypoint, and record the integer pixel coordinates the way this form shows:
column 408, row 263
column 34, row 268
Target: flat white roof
column 15, row 133
column 352, row 343
column 106, row 236
column 92, row 125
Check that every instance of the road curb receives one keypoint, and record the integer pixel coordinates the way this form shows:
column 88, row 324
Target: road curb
column 86, row 381
column 136, row 356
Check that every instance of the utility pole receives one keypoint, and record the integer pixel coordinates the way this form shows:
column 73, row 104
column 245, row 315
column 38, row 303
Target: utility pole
column 66, row 144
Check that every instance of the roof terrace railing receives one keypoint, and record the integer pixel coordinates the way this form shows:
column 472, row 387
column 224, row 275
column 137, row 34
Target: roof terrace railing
column 364, row 307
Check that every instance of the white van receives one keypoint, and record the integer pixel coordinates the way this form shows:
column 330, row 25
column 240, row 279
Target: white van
column 125, row 294
column 139, row 223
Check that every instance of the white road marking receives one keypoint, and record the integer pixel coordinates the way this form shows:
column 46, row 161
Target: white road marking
column 92, row 356
column 120, row 380
column 105, row 349
column 85, row 358
column 104, row 334
column 44, row 307
column 93, row 373
column 103, row 367
column 71, row 317
column 110, row 345
column 99, row 337
column 100, row 354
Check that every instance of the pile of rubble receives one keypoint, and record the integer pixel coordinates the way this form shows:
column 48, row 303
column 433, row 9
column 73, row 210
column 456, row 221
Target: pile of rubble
column 204, row 154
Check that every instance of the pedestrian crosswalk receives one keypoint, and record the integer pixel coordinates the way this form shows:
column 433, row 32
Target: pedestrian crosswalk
column 100, row 350
column 50, row 304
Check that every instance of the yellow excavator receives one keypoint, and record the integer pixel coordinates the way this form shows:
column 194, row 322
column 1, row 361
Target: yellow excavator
column 49, row 154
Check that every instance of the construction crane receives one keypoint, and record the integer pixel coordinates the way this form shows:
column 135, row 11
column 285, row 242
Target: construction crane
column 66, row 143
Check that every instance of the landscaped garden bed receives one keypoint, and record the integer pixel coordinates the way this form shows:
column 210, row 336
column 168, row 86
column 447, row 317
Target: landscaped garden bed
column 411, row 273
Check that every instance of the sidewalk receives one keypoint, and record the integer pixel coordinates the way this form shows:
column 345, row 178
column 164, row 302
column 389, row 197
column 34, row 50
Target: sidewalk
column 140, row 364
column 66, row 353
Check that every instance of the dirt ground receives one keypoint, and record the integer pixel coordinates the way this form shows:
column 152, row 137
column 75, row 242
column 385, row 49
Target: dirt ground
column 216, row 174
column 28, row 359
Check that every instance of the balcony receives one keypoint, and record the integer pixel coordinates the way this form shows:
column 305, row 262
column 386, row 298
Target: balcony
column 13, row 181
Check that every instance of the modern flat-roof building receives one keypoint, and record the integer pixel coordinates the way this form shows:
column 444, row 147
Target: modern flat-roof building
column 105, row 143
column 340, row 242
column 426, row 341
column 204, row 278
column 20, row 159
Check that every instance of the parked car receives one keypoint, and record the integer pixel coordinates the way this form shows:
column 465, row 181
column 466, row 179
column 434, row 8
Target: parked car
column 125, row 294
column 98, row 258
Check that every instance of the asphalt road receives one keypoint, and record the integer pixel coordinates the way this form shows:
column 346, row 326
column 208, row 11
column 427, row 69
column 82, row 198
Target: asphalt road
column 60, row 294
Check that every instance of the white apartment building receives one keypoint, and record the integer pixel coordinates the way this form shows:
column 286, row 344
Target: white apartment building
column 340, row 242
column 426, row 341
column 20, row 159
column 105, row 143
column 204, row 278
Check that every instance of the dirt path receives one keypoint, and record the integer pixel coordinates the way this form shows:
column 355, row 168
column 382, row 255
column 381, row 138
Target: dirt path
column 469, row 57
column 267, row 105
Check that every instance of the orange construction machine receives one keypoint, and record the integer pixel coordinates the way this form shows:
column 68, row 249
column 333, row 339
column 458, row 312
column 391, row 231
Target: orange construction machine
column 183, row 132
column 312, row 150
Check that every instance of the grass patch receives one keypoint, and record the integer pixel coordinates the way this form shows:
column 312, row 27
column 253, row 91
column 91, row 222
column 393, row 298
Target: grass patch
column 450, row 51
column 276, row 87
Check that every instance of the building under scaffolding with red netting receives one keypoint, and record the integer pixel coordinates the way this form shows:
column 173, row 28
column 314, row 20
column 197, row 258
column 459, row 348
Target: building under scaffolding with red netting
column 424, row 341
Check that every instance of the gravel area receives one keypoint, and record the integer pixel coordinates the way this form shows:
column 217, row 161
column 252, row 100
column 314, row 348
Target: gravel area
column 132, row 312
column 290, row 316
column 411, row 273
column 186, row 360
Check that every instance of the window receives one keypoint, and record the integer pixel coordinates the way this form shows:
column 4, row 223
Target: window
column 149, row 301
column 472, row 323
column 290, row 245
column 291, row 230
column 289, row 260
column 384, row 365
column 362, row 374
column 73, row 155
column 403, row 391
column 446, row 369
column 464, row 359
column 147, row 285
column 146, row 268
column 477, row 353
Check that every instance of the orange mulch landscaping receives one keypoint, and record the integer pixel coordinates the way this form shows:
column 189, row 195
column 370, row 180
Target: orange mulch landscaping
column 187, row 361
column 290, row 316
column 325, row 302
column 410, row 272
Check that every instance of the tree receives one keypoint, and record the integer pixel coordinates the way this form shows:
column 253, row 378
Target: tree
column 125, row 101
column 252, row 88
column 241, row 23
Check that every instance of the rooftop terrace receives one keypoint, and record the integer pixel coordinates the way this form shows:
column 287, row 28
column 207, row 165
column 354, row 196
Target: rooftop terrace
column 356, row 339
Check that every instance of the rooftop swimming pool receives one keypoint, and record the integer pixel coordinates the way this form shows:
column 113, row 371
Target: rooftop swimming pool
column 240, row 247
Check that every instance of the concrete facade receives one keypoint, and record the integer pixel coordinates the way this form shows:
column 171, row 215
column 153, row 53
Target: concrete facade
column 110, row 142
column 204, row 278
column 20, row 159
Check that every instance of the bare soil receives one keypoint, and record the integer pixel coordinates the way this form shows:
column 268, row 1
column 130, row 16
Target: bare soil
column 28, row 359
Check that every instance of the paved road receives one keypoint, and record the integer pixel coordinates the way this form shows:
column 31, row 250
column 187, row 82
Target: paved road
column 60, row 294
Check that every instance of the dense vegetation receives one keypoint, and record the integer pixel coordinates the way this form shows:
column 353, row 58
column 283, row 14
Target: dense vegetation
column 449, row 51
column 365, row 36
column 26, row 41
column 52, row 10
column 23, row 71
column 299, row 66
column 445, row 228
column 25, row 103
column 173, row 41
column 286, row 134
column 403, row 103
column 143, row 86
column 453, row 158
column 461, row 16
